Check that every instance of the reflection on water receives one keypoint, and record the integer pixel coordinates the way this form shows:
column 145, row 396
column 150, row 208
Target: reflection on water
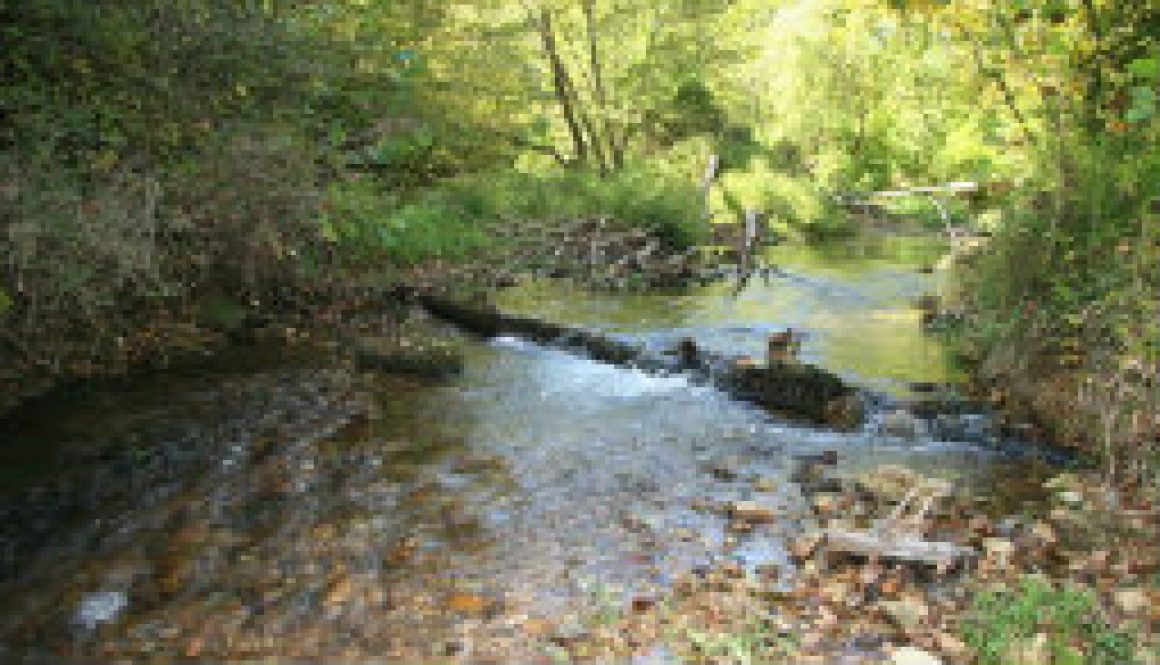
column 296, row 511
column 853, row 300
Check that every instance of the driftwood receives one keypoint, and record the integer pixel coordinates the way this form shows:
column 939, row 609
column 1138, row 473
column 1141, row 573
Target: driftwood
column 489, row 322
column 899, row 537
column 898, row 547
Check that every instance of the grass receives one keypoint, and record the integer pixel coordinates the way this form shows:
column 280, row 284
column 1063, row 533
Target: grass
column 1076, row 629
column 451, row 221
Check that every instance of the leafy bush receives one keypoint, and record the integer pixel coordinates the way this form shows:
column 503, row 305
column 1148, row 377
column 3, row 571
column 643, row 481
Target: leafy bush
column 1072, row 258
column 1077, row 632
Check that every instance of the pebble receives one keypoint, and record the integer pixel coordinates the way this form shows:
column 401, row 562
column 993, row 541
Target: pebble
column 1043, row 532
column 1131, row 601
column 751, row 512
column 906, row 613
column 764, row 484
column 804, row 545
column 914, row 656
column 999, row 549
column 951, row 645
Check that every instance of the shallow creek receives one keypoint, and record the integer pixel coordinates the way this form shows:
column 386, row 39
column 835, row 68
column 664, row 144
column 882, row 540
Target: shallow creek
column 282, row 507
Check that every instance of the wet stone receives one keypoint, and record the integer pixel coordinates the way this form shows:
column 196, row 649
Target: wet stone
column 913, row 656
column 100, row 607
column 1131, row 601
column 751, row 512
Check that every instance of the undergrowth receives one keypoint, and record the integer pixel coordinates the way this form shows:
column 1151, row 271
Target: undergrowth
column 452, row 219
column 1003, row 621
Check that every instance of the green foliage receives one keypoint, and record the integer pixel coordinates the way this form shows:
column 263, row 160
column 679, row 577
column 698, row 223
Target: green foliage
column 795, row 205
column 452, row 220
column 370, row 225
column 923, row 210
column 1001, row 619
column 1071, row 250
column 152, row 152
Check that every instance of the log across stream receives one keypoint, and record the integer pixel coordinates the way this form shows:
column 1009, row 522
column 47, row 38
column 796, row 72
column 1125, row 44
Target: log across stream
column 791, row 389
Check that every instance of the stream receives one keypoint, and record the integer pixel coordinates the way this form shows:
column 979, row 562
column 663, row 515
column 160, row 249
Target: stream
column 274, row 505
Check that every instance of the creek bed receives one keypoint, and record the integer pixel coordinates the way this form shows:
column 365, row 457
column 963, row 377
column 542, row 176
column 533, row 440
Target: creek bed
column 299, row 510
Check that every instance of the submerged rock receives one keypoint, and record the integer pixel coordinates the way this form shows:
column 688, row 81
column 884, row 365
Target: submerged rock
column 900, row 424
column 889, row 482
column 804, row 546
column 427, row 358
column 100, row 607
column 751, row 512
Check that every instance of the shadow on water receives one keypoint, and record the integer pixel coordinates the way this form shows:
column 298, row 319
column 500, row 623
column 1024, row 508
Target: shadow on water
column 292, row 509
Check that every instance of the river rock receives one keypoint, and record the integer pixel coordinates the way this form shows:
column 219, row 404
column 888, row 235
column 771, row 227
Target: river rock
column 467, row 603
column 951, row 646
column 751, row 512
column 999, row 550
column 900, row 424
column 1044, row 533
column 1064, row 481
column 889, row 482
column 764, row 484
column 826, row 504
column 1131, row 601
column 843, row 413
column 569, row 633
column 804, row 546
column 914, row 656
column 726, row 470
column 100, row 607
column 906, row 613
column 428, row 358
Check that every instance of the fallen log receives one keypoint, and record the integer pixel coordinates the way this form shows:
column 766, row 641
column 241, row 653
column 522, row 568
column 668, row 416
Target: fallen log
column 898, row 537
column 489, row 322
column 903, row 548
column 786, row 388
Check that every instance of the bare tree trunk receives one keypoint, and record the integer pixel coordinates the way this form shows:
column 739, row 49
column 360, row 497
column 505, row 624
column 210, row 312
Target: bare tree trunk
column 563, row 86
column 598, row 88
column 707, row 183
column 593, row 138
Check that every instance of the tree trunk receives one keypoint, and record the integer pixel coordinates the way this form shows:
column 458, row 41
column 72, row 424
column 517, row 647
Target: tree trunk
column 594, row 141
column 598, row 89
column 563, row 85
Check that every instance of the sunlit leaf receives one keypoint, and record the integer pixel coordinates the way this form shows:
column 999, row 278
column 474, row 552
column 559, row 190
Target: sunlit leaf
column 1146, row 68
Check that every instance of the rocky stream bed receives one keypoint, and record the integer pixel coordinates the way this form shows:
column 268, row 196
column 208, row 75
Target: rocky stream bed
column 531, row 503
